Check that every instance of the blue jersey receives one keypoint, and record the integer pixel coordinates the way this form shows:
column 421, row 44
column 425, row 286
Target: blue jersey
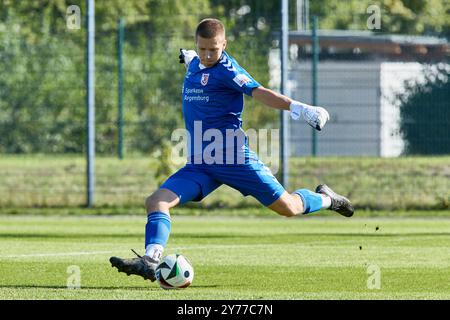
column 213, row 102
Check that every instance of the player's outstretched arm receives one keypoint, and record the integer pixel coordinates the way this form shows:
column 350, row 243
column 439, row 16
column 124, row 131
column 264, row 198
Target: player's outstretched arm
column 271, row 98
column 316, row 117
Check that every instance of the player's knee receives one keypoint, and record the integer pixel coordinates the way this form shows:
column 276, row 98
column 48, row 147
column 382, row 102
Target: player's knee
column 159, row 201
column 154, row 203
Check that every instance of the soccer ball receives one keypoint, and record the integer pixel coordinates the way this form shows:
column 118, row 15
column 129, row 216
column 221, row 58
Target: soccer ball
column 174, row 272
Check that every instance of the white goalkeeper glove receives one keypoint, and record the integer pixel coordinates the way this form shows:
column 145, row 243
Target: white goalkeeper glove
column 316, row 117
column 186, row 56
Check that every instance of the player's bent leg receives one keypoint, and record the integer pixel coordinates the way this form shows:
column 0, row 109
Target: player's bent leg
column 312, row 201
column 301, row 201
column 161, row 200
column 157, row 232
column 158, row 225
column 287, row 205
column 173, row 192
column 179, row 188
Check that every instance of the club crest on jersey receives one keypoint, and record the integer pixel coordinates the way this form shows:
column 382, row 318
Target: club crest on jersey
column 204, row 80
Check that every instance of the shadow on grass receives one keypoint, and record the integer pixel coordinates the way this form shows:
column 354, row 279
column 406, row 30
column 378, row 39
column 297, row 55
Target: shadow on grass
column 289, row 235
column 94, row 287
column 217, row 235
column 81, row 288
column 67, row 236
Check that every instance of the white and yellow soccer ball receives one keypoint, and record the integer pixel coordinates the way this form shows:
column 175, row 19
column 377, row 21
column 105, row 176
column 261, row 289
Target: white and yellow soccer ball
column 174, row 271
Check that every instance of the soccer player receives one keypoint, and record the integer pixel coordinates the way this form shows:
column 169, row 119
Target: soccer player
column 213, row 100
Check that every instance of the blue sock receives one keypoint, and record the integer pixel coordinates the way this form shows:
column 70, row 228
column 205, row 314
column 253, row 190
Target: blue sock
column 157, row 228
column 311, row 201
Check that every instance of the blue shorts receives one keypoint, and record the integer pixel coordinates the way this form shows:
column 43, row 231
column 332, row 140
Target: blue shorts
column 194, row 182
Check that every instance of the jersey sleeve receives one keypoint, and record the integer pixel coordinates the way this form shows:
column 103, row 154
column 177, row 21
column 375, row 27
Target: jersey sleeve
column 236, row 78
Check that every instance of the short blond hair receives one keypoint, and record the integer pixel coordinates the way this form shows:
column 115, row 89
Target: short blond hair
column 209, row 28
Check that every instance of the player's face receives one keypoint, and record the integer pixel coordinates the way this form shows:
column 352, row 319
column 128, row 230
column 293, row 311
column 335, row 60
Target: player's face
column 210, row 50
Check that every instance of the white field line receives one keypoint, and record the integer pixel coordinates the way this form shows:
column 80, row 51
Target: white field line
column 193, row 247
column 83, row 253
column 60, row 254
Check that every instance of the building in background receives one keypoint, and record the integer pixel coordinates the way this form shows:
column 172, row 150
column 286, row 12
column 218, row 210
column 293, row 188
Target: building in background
column 359, row 77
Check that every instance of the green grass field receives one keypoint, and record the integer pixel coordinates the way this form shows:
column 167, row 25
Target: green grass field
column 46, row 181
column 239, row 249
column 317, row 257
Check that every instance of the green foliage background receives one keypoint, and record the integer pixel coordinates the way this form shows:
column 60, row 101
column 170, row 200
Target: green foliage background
column 425, row 114
column 42, row 63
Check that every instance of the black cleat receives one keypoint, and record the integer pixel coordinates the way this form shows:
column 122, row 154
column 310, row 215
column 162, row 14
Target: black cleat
column 141, row 266
column 339, row 203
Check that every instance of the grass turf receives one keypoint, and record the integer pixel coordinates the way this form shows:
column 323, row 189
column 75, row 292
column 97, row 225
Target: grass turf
column 47, row 181
column 317, row 257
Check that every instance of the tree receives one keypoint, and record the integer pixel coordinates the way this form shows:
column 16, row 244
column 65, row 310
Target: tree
column 415, row 17
column 42, row 83
column 253, row 27
column 425, row 114
column 42, row 92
